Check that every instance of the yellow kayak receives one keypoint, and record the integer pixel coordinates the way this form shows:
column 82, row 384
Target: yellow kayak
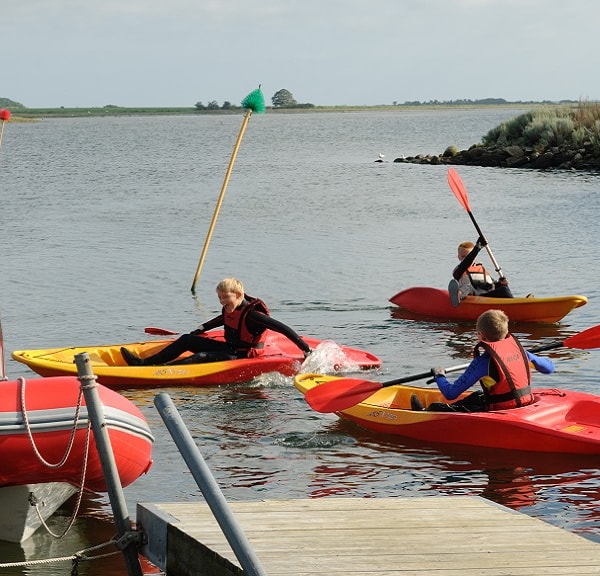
column 280, row 355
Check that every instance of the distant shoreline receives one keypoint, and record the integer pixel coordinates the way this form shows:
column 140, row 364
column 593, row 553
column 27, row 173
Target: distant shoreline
column 89, row 112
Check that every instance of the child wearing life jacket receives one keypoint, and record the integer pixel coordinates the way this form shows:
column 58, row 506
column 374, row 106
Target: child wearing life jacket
column 245, row 320
column 501, row 366
column 471, row 277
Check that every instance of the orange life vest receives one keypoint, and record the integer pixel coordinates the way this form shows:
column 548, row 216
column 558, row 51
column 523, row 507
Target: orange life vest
column 480, row 278
column 237, row 335
column 513, row 387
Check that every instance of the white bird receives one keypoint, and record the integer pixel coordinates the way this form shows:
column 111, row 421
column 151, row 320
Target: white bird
column 382, row 155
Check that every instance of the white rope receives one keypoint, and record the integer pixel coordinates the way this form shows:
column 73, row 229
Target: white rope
column 62, row 461
column 79, row 494
column 30, row 434
column 77, row 557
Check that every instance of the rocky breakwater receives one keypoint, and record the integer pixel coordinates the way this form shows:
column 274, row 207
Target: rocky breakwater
column 560, row 157
column 556, row 138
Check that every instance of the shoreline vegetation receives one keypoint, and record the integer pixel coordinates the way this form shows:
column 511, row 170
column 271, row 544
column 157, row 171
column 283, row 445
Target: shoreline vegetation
column 21, row 111
column 44, row 113
column 550, row 135
column 557, row 137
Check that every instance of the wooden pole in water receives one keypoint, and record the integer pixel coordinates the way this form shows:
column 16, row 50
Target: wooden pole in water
column 254, row 102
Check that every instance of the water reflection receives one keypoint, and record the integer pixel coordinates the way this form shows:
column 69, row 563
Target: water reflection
column 561, row 489
column 459, row 338
column 90, row 538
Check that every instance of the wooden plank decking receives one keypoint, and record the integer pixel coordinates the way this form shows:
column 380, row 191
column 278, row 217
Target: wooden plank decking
column 437, row 536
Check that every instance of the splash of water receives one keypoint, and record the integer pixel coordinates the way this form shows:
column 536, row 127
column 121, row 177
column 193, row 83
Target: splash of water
column 326, row 358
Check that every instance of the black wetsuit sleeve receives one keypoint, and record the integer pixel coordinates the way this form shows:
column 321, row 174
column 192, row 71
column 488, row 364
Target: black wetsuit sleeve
column 259, row 319
column 466, row 262
column 214, row 322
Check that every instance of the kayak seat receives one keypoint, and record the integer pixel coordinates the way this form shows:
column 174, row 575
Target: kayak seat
column 585, row 413
column 106, row 357
column 97, row 359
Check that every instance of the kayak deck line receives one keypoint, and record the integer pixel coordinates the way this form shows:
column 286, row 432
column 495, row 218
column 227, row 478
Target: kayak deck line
column 366, row 537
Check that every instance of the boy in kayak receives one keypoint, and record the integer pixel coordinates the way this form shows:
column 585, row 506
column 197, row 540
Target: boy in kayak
column 246, row 320
column 470, row 277
column 500, row 364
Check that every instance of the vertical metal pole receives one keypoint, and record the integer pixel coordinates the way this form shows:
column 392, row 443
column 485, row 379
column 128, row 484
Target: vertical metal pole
column 208, row 485
column 95, row 410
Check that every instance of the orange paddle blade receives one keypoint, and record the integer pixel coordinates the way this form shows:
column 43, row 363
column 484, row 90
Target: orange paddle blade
column 340, row 394
column 585, row 340
column 159, row 331
column 457, row 186
column 343, row 393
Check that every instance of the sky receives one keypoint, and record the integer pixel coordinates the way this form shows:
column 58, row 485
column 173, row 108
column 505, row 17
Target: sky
column 89, row 53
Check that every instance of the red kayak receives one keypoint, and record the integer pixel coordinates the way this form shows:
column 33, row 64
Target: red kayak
column 558, row 421
column 434, row 303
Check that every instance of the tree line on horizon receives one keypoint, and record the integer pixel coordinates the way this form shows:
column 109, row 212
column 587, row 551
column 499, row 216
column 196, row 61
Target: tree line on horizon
column 481, row 101
column 281, row 99
column 285, row 99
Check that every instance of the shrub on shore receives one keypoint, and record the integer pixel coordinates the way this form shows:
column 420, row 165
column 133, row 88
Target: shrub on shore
column 549, row 127
column 565, row 137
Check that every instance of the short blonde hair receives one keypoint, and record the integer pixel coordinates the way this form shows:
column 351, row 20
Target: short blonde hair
column 493, row 325
column 464, row 248
column 232, row 285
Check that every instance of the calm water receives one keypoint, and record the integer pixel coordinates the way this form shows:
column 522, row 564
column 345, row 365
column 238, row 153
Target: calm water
column 102, row 225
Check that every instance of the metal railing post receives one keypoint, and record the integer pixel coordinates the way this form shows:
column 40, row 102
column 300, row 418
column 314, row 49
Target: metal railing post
column 208, row 485
column 95, row 409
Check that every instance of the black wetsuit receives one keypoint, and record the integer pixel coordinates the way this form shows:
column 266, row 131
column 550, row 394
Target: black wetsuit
column 210, row 350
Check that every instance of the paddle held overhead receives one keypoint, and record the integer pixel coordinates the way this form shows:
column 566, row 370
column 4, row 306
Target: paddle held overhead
column 457, row 186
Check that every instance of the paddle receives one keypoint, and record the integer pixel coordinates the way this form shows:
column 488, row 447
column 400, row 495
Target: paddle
column 340, row 394
column 457, row 186
column 254, row 102
column 159, row 331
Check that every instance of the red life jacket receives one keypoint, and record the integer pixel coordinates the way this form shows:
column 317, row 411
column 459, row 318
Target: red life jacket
column 479, row 278
column 246, row 344
column 511, row 364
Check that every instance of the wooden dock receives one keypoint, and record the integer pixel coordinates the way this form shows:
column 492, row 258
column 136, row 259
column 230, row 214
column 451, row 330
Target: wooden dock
column 437, row 536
